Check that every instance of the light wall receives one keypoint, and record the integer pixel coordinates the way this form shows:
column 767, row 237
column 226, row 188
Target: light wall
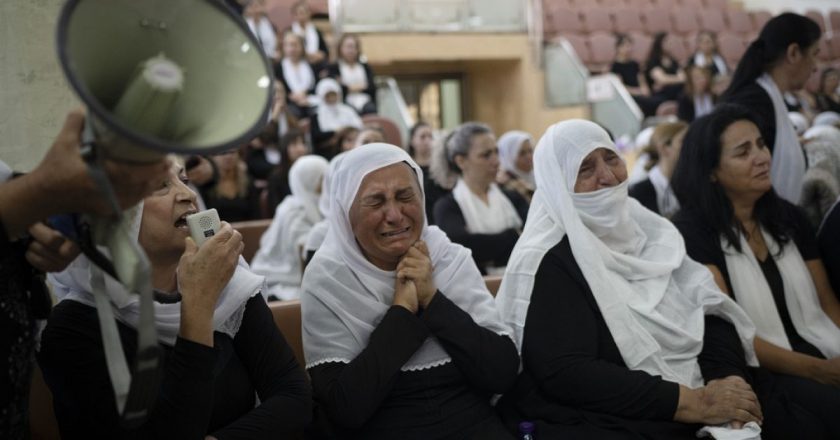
column 34, row 97
column 503, row 86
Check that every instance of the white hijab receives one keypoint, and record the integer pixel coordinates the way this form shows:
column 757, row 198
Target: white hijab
column 651, row 295
column 278, row 258
column 344, row 296
column 827, row 118
column 788, row 166
column 318, row 233
column 509, row 145
column 333, row 117
column 74, row 283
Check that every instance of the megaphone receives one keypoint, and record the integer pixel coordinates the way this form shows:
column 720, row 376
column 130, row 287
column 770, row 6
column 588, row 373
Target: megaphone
column 158, row 77
column 164, row 76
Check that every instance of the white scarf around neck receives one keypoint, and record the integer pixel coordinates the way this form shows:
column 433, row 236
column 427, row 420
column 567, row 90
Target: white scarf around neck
column 298, row 76
column 666, row 200
column 344, row 296
column 493, row 217
column 755, row 297
column 309, row 34
column 788, row 166
column 74, row 283
column 264, row 31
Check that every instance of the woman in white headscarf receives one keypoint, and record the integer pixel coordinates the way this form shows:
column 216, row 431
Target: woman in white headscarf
column 318, row 233
column 331, row 114
column 617, row 327
column 401, row 336
column 219, row 342
column 516, row 157
column 477, row 213
column 279, row 256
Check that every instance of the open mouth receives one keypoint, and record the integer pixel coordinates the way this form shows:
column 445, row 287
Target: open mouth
column 395, row 233
column 181, row 223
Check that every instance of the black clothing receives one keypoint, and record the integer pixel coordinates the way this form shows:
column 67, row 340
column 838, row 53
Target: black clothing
column 685, row 107
column 333, row 71
column 756, row 99
column 278, row 189
column 826, row 104
column 371, row 398
column 645, row 193
column 204, row 390
column 486, row 249
column 258, row 165
column 433, row 193
column 671, row 67
column 24, row 298
column 237, row 209
column 829, row 244
column 629, row 74
column 574, row 382
column 796, row 401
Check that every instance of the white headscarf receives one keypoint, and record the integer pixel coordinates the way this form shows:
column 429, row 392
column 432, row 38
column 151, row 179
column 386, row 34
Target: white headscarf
column 509, row 145
column 318, row 233
column 799, row 121
column 651, row 295
column 278, row 258
column 344, row 296
column 74, row 283
column 827, row 118
column 333, row 117
column 788, row 166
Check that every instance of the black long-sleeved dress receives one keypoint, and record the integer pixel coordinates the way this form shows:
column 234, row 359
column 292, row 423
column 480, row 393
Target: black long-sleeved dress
column 371, row 398
column 486, row 249
column 829, row 244
column 574, row 382
column 204, row 390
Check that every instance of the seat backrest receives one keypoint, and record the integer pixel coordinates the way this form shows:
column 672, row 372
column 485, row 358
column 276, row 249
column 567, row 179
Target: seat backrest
column 641, row 47
column 42, row 422
column 738, row 21
column 834, row 19
column 578, row 42
column 684, row 20
column 627, row 20
column 716, row 4
column 675, row 44
column 596, row 19
column 731, row 48
column 493, row 282
column 287, row 318
column 251, row 232
column 818, row 17
column 389, row 128
column 657, row 20
column 835, row 46
column 712, row 20
column 566, row 20
column 602, row 46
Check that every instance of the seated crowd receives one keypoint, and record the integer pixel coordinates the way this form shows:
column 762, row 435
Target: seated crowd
column 702, row 299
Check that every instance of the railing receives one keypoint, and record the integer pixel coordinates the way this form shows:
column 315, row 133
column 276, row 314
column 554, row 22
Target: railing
column 613, row 106
column 565, row 75
column 390, row 103
column 364, row 16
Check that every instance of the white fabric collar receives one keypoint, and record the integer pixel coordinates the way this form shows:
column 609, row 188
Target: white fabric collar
column 493, row 217
column 344, row 296
column 666, row 200
column 264, row 31
column 74, row 283
column 653, row 298
column 788, row 166
column 299, row 77
column 754, row 295
column 309, row 34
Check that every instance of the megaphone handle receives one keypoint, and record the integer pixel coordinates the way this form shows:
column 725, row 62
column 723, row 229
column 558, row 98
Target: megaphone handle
column 95, row 161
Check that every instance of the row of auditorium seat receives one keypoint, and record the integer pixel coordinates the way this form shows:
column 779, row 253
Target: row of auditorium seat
column 597, row 50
